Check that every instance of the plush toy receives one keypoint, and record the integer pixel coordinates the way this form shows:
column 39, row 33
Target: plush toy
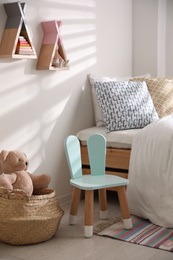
column 14, row 175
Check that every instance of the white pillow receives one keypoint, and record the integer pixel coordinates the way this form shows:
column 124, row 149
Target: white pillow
column 99, row 120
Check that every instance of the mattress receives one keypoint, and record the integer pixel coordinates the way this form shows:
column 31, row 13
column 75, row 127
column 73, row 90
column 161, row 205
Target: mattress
column 116, row 139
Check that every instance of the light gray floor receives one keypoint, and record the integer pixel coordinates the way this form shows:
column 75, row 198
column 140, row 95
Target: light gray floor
column 69, row 242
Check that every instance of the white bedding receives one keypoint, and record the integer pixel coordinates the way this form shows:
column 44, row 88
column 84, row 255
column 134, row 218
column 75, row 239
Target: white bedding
column 117, row 139
column 150, row 191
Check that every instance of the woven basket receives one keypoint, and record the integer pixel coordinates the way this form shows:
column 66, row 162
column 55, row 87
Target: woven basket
column 25, row 220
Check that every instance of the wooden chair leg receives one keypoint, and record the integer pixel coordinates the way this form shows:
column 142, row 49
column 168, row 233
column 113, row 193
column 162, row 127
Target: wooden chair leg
column 103, row 203
column 89, row 205
column 74, row 206
column 124, row 207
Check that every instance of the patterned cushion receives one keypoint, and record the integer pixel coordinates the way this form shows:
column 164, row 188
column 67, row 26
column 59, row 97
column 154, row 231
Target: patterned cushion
column 125, row 105
column 161, row 91
column 99, row 120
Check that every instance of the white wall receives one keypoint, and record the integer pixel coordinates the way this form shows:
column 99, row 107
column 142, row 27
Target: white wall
column 38, row 109
column 169, row 39
column 152, row 37
column 145, row 17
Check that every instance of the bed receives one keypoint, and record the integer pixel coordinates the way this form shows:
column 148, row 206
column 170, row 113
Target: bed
column 150, row 192
column 119, row 142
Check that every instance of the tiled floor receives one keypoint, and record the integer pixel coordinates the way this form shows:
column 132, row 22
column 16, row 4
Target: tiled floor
column 70, row 244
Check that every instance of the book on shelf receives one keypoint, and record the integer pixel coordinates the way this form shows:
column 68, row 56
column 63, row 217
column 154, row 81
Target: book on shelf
column 22, row 42
column 25, row 53
column 24, row 50
column 22, row 39
column 23, row 47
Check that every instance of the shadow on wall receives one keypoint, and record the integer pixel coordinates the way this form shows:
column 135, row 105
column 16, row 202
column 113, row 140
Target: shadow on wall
column 61, row 129
column 38, row 109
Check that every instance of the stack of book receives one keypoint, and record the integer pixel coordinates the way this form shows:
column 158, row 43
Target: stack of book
column 23, row 47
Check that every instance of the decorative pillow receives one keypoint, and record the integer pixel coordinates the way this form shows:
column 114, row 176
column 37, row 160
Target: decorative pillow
column 125, row 105
column 161, row 91
column 99, row 120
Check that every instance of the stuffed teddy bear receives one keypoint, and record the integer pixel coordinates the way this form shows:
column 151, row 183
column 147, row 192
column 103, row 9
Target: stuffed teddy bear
column 13, row 173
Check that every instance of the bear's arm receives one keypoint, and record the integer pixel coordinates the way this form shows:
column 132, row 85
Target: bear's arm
column 40, row 181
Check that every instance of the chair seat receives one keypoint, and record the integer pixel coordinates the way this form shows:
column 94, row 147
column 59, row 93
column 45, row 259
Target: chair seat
column 89, row 182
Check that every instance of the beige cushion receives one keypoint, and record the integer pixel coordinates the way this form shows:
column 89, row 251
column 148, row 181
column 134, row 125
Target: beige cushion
column 116, row 139
column 161, row 91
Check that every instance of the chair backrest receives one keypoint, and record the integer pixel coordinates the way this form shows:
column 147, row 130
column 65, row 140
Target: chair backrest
column 73, row 154
column 97, row 153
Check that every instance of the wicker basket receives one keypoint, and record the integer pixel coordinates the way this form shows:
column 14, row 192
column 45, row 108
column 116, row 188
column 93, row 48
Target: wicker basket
column 31, row 220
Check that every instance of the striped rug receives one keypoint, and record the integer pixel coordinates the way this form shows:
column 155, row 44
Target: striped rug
column 143, row 232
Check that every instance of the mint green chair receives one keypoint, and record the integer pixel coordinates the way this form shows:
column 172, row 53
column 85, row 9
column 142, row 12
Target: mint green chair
column 97, row 180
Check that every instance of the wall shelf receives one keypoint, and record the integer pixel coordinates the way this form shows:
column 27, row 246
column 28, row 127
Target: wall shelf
column 52, row 54
column 16, row 42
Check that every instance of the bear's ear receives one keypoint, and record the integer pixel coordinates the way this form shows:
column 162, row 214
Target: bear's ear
column 3, row 155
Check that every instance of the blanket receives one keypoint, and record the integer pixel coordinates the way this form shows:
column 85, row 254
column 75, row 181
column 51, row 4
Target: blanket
column 150, row 189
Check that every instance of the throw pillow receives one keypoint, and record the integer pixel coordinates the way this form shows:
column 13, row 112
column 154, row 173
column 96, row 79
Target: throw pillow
column 99, row 120
column 161, row 91
column 125, row 105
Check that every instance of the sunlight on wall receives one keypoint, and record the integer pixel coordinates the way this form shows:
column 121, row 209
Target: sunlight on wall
column 26, row 93
column 52, row 114
column 17, row 98
column 36, row 162
column 83, row 66
column 78, row 55
column 71, row 29
column 17, row 90
column 33, row 146
column 50, row 117
column 86, row 3
column 12, row 70
column 66, row 14
column 79, row 42
column 22, row 136
column 74, row 70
